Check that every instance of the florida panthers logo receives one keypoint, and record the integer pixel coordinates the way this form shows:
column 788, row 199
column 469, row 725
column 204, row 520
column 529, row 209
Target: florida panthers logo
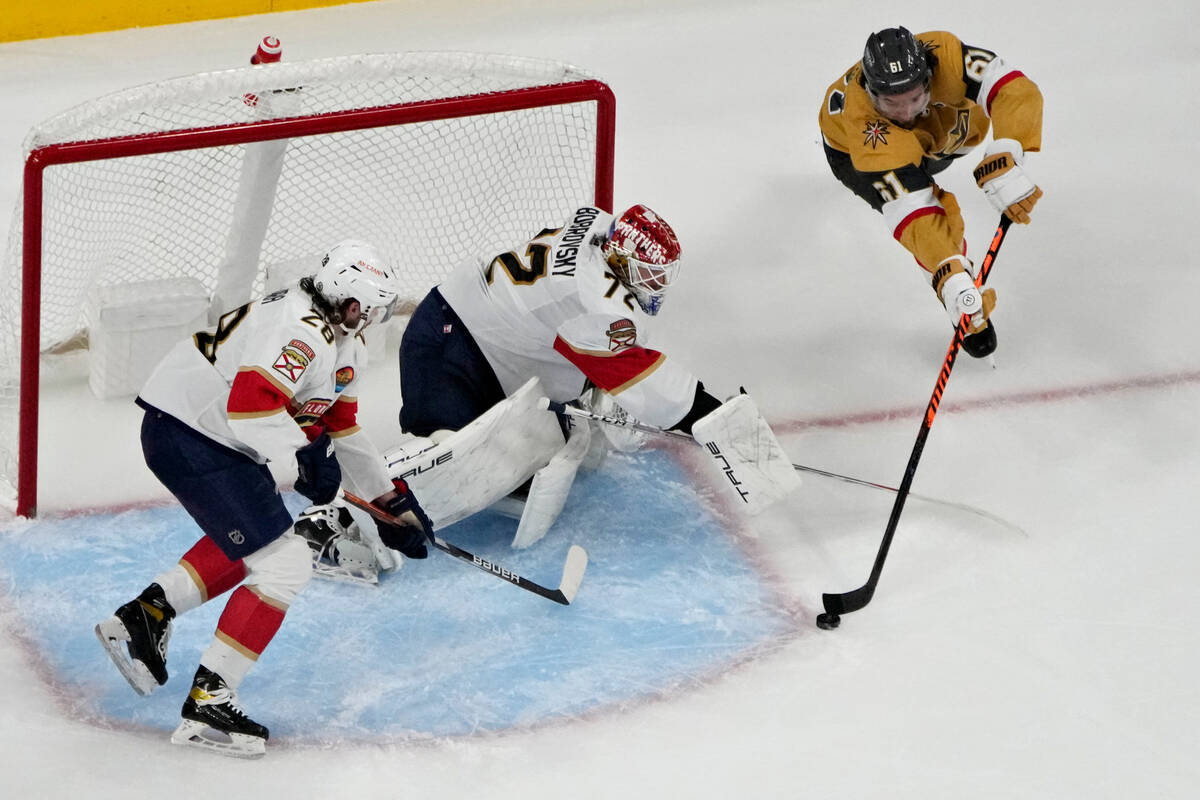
column 622, row 334
column 876, row 133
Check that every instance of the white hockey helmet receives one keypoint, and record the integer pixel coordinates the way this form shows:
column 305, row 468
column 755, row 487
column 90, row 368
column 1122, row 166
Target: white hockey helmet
column 354, row 270
column 643, row 252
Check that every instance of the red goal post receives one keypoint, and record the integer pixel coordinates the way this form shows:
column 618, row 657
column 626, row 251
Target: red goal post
column 233, row 177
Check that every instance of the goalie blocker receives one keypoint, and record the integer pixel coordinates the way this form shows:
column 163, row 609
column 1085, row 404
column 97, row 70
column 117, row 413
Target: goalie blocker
column 741, row 446
column 743, row 449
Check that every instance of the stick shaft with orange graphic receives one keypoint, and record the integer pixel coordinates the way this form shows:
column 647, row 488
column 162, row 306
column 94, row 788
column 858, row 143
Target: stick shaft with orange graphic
column 846, row 602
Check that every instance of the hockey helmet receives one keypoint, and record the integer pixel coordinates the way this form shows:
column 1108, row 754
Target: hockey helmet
column 643, row 252
column 894, row 62
column 354, row 270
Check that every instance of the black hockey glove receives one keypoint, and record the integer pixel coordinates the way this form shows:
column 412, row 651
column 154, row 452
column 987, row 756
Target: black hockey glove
column 320, row 475
column 408, row 538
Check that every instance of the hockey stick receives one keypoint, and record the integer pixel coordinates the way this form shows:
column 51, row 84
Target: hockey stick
column 846, row 602
column 572, row 574
column 582, row 413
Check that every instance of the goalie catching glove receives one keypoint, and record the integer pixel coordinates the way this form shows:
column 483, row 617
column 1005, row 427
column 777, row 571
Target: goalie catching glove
column 1002, row 177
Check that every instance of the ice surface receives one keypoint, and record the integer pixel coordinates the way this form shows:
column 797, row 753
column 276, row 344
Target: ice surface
column 1047, row 650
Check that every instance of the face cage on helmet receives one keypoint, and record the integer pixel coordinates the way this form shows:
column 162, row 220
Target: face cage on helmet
column 647, row 282
column 372, row 314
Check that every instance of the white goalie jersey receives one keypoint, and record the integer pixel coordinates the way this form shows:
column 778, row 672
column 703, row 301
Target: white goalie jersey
column 553, row 310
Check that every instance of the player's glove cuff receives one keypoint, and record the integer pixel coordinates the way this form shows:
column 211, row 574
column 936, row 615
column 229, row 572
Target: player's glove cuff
column 1001, row 176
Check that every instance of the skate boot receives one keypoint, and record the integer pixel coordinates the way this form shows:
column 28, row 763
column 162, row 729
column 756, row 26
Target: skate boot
column 144, row 626
column 212, row 719
column 338, row 548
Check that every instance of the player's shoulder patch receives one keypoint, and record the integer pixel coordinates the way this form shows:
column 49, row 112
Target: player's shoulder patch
column 303, row 347
column 876, row 132
column 294, row 358
column 622, row 334
column 343, row 378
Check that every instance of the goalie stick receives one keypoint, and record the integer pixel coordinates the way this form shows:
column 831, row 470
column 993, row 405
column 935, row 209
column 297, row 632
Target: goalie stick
column 572, row 574
column 846, row 602
column 582, row 413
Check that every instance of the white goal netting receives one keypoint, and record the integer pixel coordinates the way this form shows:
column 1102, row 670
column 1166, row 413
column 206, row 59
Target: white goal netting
column 232, row 178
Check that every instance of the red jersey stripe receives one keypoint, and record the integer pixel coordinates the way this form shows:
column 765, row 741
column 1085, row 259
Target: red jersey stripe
column 612, row 371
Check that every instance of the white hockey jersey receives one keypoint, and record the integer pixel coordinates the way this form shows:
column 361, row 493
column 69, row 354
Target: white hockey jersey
column 268, row 370
column 553, row 309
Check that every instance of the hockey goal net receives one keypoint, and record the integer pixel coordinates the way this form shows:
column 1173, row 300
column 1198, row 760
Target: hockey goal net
column 230, row 178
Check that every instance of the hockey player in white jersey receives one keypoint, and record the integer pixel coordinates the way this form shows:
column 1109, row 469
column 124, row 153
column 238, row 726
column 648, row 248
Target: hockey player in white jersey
column 568, row 308
column 276, row 379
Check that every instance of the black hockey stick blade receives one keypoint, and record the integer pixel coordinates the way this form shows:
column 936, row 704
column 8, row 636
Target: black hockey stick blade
column 572, row 574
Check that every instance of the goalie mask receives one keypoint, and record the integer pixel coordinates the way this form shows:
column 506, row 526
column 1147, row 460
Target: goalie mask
column 354, row 270
column 643, row 252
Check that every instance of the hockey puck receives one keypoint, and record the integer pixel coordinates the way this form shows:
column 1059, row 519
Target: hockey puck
column 828, row 622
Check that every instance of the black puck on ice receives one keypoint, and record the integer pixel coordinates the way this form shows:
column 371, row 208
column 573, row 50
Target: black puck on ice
column 828, row 622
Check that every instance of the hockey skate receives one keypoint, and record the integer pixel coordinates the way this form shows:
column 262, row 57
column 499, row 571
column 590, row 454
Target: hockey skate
column 213, row 720
column 340, row 550
column 136, row 639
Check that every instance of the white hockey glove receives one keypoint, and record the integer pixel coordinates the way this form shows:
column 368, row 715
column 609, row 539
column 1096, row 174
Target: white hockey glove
column 956, row 289
column 1002, row 177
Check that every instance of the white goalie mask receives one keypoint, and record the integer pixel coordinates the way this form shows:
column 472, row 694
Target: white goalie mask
column 643, row 251
column 354, row 270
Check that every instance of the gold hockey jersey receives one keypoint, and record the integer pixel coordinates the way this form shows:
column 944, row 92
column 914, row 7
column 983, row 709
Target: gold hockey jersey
column 893, row 166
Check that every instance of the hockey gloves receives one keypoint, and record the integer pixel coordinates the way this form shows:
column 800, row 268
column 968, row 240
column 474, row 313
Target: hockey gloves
column 320, row 476
column 703, row 404
column 1004, row 181
column 954, row 286
column 409, row 537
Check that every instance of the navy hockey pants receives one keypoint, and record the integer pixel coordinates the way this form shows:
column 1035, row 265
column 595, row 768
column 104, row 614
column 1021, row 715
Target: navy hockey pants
column 445, row 380
column 231, row 498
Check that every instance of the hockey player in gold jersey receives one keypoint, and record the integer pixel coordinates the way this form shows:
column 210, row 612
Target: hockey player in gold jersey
column 904, row 113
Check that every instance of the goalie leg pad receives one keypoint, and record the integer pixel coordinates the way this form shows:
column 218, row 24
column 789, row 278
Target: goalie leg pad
column 548, row 492
column 744, row 451
column 472, row 468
